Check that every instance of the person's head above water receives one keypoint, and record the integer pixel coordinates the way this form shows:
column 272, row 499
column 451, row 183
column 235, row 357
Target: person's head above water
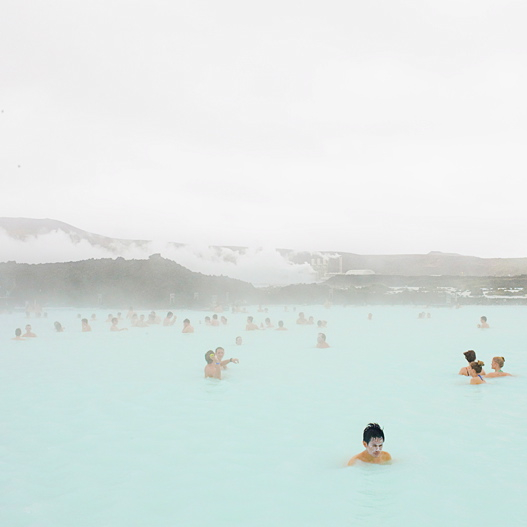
column 373, row 441
column 500, row 361
column 209, row 356
column 483, row 319
column 18, row 332
column 470, row 355
column 477, row 366
column 372, row 431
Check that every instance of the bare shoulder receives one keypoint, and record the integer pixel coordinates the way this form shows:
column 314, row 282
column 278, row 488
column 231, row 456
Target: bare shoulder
column 386, row 457
column 357, row 457
column 352, row 460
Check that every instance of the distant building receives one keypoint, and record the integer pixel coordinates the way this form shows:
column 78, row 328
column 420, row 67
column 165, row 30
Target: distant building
column 360, row 271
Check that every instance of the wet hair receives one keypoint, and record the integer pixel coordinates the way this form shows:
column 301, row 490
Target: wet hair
column 209, row 356
column 477, row 366
column 186, row 320
column 500, row 361
column 372, row 431
column 58, row 326
column 18, row 332
column 483, row 319
column 84, row 320
column 281, row 323
column 214, row 317
column 169, row 314
column 250, row 319
column 470, row 355
column 321, row 336
column 115, row 320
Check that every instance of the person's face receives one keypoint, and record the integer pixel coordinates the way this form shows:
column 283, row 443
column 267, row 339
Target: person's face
column 494, row 365
column 28, row 327
column 238, row 340
column 220, row 353
column 374, row 447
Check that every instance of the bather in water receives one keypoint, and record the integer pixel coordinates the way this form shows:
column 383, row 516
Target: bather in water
column 497, row 365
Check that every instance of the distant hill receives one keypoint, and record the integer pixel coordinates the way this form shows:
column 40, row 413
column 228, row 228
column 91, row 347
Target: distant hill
column 431, row 264
column 45, row 240
column 118, row 282
column 23, row 229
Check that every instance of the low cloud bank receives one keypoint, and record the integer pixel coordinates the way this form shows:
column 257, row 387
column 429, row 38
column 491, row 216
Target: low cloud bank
column 261, row 266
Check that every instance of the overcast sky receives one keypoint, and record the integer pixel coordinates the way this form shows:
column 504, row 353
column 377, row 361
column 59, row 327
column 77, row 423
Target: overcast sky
column 372, row 127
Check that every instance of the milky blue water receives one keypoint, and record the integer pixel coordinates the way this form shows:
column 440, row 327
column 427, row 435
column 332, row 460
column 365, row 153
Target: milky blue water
column 121, row 429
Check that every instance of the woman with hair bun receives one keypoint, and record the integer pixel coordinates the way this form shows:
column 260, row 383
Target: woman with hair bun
column 497, row 365
column 475, row 370
column 470, row 355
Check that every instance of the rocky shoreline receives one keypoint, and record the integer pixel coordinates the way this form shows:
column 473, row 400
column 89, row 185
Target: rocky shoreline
column 161, row 283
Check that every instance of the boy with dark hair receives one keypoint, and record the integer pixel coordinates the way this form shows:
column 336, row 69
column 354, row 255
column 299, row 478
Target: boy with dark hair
column 373, row 440
column 212, row 369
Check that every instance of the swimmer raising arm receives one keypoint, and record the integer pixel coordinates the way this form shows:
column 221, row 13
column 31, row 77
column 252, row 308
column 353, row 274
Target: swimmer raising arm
column 220, row 352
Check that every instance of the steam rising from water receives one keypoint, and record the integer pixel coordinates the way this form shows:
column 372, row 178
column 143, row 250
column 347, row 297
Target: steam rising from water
column 262, row 266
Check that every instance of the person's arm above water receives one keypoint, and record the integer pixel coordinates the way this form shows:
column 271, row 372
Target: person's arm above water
column 225, row 362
